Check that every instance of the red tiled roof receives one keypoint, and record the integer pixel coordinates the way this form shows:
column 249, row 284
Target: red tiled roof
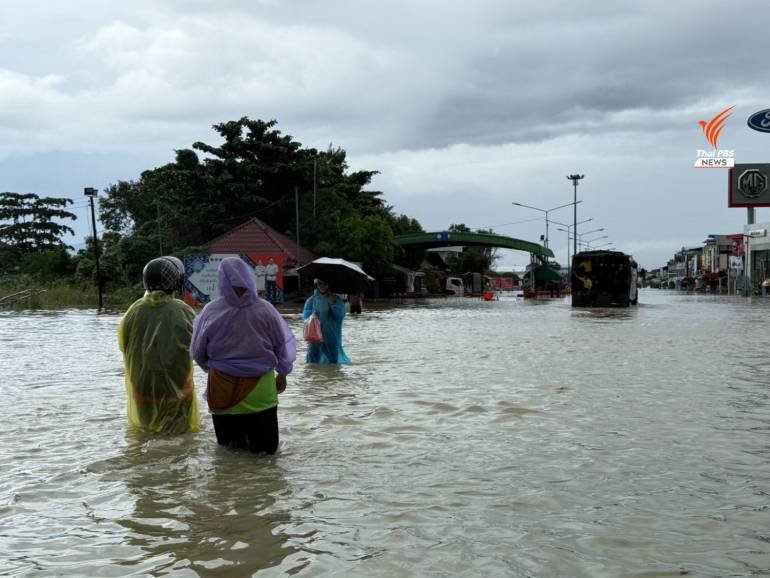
column 254, row 236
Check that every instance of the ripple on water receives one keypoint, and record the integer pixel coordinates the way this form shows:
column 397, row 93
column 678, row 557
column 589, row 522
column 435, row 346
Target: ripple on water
column 467, row 438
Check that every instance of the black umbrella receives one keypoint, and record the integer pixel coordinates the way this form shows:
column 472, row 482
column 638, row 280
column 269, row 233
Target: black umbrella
column 342, row 276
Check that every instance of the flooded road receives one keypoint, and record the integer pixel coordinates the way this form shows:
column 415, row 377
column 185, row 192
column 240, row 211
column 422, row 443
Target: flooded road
column 468, row 438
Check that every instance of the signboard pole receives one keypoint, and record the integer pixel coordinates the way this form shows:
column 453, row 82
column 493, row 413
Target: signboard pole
column 750, row 220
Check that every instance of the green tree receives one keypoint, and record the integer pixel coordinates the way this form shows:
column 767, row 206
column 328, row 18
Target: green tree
column 404, row 225
column 254, row 171
column 432, row 279
column 29, row 223
column 48, row 265
column 472, row 259
column 368, row 239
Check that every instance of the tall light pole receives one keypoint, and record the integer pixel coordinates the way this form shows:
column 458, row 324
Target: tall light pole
column 581, row 235
column 569, row 238
column 575, row 179
column 588, row 243
column 546, row 211
column 91, row 193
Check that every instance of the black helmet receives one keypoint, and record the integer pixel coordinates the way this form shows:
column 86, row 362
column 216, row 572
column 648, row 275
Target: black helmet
column 163, row 274
column 177, row 263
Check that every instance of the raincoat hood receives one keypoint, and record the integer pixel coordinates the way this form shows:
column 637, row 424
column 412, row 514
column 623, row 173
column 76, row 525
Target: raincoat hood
column 233, row 272
column 242, row 336
column 156, row 298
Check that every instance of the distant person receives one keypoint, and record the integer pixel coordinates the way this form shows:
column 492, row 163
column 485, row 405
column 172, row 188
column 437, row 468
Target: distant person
column 247, row 349
column 356, row 301
column 330, row 310
column 271, row 278
column 259, row 272
column 154, row 336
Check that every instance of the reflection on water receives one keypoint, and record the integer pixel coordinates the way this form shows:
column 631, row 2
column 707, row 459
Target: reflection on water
column 468, row 438
column 198, row 512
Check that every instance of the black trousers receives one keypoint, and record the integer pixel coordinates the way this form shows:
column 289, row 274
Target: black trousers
column 256, row 431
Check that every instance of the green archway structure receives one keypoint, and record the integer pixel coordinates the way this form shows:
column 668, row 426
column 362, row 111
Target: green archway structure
column 452, row 238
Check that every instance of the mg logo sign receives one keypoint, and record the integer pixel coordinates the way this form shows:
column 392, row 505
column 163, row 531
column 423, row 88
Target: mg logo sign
column 752, row 183
column 748, row 185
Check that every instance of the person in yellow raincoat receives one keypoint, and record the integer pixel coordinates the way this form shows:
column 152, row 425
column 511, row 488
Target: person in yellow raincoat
column 154, row 336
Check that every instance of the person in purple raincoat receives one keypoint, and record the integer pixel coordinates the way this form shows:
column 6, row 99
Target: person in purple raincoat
column 247, row 349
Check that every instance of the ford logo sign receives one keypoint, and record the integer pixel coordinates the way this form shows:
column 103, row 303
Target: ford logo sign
column 760, row 120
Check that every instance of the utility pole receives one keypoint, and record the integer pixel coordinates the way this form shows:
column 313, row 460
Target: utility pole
column 315, row 164
column 91, row 192
column 575, row 179
column 160, row 238
column 296, row 208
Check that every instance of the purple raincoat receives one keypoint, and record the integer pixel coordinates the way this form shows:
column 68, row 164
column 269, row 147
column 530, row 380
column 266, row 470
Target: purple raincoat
column 242, row 336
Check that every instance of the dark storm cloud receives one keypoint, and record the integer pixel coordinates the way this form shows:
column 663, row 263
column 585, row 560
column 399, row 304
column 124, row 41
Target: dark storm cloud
column 489, row 100
column 537, row 80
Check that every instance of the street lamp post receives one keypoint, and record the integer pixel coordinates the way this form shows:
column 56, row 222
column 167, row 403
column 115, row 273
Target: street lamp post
column 569, row 238
column 581, row 235
column 575, row 179
column 588, row 243
column 546, row 211
column 91, row 192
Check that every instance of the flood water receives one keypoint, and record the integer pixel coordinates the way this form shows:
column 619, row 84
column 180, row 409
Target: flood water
column 468, row 439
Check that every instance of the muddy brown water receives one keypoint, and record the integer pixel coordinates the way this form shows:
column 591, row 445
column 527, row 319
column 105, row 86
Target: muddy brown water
column 468, row 438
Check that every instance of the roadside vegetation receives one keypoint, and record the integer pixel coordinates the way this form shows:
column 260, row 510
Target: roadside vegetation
column 254, row 171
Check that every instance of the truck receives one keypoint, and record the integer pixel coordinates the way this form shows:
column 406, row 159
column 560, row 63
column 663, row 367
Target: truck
column 454, row 286
column 604, row 279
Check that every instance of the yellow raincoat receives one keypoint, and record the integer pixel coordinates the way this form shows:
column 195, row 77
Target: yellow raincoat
column 154, row 336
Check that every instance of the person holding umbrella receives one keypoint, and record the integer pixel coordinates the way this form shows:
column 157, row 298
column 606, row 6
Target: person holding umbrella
column 330, row 311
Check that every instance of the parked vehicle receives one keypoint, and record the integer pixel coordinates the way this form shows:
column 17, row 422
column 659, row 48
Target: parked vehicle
column 604, row 279
column 474, row 283
column 454, row 286
column 545, row 281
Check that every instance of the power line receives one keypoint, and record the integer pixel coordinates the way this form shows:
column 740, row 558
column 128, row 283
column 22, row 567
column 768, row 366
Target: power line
column 514, row 223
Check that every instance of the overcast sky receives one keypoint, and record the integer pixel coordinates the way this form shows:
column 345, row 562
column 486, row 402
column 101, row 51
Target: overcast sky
column 463, row 107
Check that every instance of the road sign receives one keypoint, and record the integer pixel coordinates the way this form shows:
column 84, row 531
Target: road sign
column 749, row 186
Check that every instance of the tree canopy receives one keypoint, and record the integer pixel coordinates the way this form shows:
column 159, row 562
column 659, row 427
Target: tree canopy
column 256, row 171
column 472, row 259
column 30, row 223
column 31, row 235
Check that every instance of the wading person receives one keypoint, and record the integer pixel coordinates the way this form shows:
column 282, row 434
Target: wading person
column 356, row 301
column 330, row 311
column 247, row 349
column 154, row 336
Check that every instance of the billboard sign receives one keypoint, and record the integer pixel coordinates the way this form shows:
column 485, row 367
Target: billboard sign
column 201, row 283
column 749, row 186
